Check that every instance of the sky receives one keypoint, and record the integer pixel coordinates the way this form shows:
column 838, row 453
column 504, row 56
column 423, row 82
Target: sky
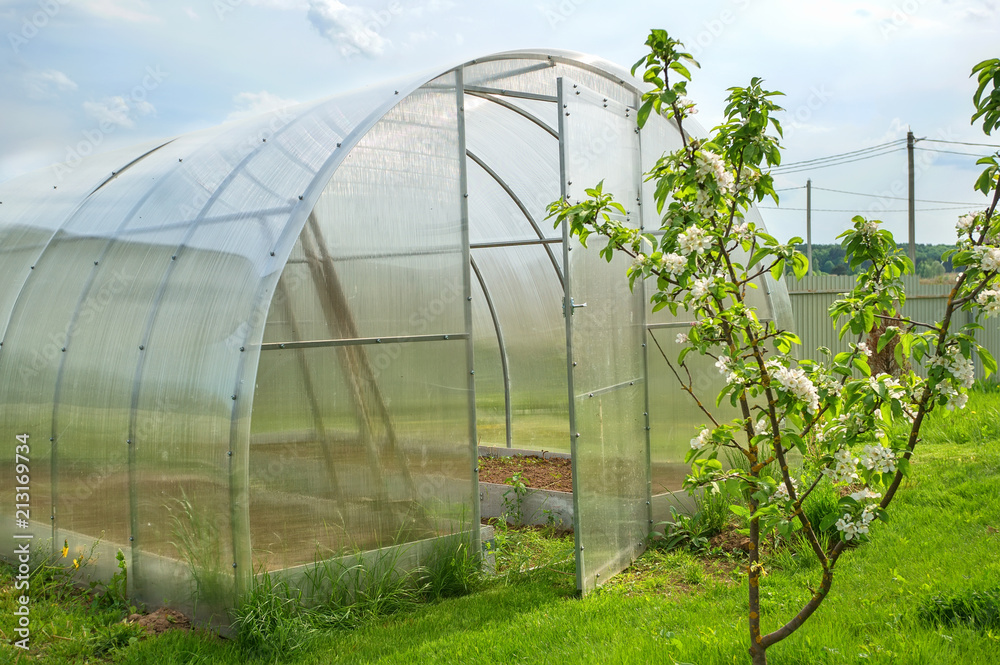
column 855, row 74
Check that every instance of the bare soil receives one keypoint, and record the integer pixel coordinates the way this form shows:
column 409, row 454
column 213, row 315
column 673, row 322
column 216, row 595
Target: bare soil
column 161, row 621
column 549, row 473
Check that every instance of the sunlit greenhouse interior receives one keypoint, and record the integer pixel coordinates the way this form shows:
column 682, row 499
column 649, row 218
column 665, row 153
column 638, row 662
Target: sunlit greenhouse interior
column 287, row 338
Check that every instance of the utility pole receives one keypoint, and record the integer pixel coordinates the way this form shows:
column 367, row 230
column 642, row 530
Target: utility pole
column 809, row 227
column 912, row 208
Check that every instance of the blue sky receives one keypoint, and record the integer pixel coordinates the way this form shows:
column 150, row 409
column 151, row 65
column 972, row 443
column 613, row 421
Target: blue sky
column 856, row 74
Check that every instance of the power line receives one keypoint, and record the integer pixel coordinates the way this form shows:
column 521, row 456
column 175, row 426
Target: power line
column 843, row 154
column 897, row 198
column 953, row 152
column 799, row 169
column 985, row 145
column 855, row 210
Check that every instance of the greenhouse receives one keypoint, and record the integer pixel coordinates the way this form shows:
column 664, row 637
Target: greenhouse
column 287, row 338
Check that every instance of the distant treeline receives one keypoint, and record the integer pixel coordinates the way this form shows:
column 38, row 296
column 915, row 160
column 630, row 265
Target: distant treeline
column 829, row 259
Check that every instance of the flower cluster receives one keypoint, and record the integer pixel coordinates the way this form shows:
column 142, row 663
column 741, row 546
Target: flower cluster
column 957, row 365
column 956, row 400
column 878, row 458
column 869, row 227
column 795, row 381
column 711, row 166
column 846, row 468
column 781, row 493
column 989, row 300
column 700, row 287
column 863, row 348
column 852, row 528
column 989, row 258
column 674, row 264
column 965, row 223
column 695, row 240
column 703, row 439
column 681, row 338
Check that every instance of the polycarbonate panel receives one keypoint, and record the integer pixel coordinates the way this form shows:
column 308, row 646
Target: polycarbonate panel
column 522, row 155
column 344, row 461
column 538, row 74
column 361, row 446
column 491, row 404
column 527, row 294
column 610, row 454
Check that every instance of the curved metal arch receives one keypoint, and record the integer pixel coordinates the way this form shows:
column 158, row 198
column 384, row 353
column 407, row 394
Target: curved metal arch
column 524, row 210
column 516, row 109
column 503, row 348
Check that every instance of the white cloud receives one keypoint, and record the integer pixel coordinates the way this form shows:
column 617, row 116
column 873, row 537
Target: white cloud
column 47, row 84
column 249, row 104
column 117, row 111
column 133, row 11
column 355, row 30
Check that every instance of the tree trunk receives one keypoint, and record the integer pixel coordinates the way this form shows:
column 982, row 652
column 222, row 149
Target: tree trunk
column 758, row 656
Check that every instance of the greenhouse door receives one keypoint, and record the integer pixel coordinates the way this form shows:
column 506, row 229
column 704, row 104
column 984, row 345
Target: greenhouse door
column 605, row 329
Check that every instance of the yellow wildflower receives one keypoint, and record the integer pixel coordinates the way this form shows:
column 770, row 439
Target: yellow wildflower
column 65, row 549
column 76, row 563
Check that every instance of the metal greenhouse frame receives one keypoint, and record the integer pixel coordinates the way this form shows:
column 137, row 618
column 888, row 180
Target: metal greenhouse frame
column 283, row 340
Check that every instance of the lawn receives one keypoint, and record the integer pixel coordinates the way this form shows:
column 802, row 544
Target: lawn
column 939, row 548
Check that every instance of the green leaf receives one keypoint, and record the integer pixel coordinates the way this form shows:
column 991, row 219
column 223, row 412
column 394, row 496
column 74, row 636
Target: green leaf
column 778, row 269
column 887, row 337
column 742, row 511
column 829, row 521
column 643, row 114
column 989, row 364
column 862, row 365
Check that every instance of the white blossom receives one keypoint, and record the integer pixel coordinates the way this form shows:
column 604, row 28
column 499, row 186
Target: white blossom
column 703, row 439
column 965, row 223
column 723, row 364
column 869, row 227
column 989, row 259
column 674, row 264
column 795, row 381
column 861, row 496
column 781, row 494
column 700, row 287
column 845, row 468
column 681, row 338
column 879, row 459
column 989, row 300
column 863, row 348
column 695, row 240
column 957, row 365
column 712, row 167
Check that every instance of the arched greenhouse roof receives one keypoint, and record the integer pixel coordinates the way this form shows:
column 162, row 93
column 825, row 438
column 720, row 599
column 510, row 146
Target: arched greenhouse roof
column 165, row 309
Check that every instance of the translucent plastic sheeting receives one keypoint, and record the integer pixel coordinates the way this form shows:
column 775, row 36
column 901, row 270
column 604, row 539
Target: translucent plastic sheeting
column 521, row 156
column 356, row 446
column 606, row 333
column 527, row 296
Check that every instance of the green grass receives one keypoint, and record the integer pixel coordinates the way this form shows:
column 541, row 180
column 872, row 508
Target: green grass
column 924, row 590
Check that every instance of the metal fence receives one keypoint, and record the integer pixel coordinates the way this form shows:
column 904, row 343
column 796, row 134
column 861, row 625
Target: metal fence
column 812, row 296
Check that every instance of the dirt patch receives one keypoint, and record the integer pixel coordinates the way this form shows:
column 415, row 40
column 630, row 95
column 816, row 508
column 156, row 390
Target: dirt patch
column 548, row 473
column 730, row 541
column 161, row 621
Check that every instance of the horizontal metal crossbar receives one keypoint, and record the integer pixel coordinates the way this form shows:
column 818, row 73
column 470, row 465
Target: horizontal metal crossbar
column 320, row 343
column 608, row 389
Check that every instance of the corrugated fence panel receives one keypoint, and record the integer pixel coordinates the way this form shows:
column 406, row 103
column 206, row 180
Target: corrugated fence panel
column 812, row 296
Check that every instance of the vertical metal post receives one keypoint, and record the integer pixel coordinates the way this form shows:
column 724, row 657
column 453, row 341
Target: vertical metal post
column 911, row 227
column 463, row 184
column 568, row 315
column 644, row 300
column 809, row 227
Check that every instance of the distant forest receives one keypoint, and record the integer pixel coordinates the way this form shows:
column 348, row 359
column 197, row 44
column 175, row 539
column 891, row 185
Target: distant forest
column 829, row 259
